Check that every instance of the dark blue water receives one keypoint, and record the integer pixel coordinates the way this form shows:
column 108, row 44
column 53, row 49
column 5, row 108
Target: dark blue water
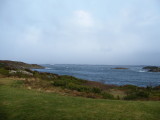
column 134, row 75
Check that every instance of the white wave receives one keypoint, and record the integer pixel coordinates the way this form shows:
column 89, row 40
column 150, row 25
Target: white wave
column 48, row 68
column 142, row 71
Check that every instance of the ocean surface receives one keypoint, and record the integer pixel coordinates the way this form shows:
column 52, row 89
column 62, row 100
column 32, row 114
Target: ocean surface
column 134, row 75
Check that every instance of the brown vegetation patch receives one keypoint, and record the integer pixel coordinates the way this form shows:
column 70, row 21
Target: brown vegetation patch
column 99, row 85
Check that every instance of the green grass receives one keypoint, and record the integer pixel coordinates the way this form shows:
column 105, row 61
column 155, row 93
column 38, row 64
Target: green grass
column 18, row 103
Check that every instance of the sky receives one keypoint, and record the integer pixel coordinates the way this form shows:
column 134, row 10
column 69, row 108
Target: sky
column 110, row 32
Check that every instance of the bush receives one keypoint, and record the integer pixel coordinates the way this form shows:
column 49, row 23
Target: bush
column 79, row 88
column 17, row 83
column 21, row 75
column 96, row 90
column 28, row 70
column 156, row 88
column 107, row 95
column 137, row 95
column 129, row 87
column 2, row 65
column 4, row 71
column 71, row 79
column 74, row 86
column 59, row 83
column 36, row 74
column 130, row 97
column 142, row 94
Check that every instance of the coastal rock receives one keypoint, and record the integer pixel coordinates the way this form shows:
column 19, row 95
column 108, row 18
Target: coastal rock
column 152, row 68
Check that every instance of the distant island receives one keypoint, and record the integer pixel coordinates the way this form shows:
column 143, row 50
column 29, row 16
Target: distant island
column 119, row 68
column 152, row 68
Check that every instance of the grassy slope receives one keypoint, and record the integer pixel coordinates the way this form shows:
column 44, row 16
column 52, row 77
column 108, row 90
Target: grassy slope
column 19, row 65
column 22, row 104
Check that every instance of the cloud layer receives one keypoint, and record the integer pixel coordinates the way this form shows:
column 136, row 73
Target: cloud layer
column 80, row 32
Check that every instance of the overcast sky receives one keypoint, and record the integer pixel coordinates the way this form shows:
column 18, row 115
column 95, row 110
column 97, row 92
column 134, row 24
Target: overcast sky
column 111, row 32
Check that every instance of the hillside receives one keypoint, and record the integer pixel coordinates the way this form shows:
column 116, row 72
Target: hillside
column 18, row 65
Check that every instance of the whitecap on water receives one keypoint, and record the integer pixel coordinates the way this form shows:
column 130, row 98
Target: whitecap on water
column 142, row 71
column 48, row 68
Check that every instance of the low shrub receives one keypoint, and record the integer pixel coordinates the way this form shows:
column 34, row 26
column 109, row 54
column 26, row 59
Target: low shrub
column 156, row 88
column 129, row 87
column 79, row 88
column 96, row 90
column 21, row 75
column 17, row 83
column 36, row 74
column 72, row 85
column 59, row 83
column 1, row 64
column 71, row 79
column 28, row 70
column 139, row 94
column 142, row 94
column 4, row 71
column 106, row 95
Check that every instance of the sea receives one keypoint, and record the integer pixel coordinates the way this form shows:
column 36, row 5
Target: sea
column 133, row 75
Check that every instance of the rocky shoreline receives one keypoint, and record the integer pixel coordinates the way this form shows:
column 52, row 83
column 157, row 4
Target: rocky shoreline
column 152, row 68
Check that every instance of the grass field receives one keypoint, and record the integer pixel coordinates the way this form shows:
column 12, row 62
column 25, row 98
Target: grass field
column 18, row 103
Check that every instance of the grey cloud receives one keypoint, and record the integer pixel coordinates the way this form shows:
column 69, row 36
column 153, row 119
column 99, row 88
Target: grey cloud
column 78, row 32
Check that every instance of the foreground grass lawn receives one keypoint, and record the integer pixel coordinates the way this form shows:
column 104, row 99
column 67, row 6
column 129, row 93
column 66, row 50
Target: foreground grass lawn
column 22, row 104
